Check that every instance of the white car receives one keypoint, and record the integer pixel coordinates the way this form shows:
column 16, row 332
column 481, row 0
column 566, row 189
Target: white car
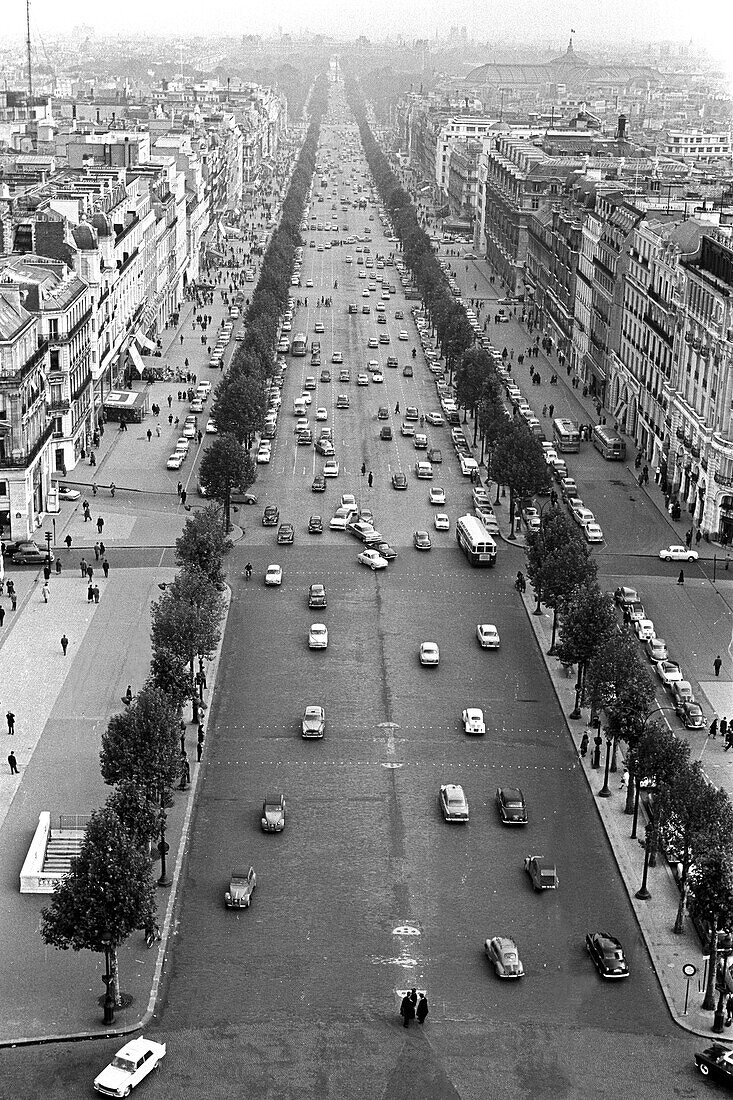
column 644, row 630
column 434, row 418
column 488, row 636
column 211, row 428
column 337, row 357
column 132, row 1062
column 373, row 559
column 453, row 802
column 362, row 379
column 338, row 523
column 442, row 522
column 189, row 431
column 429, row 653
column 264, row 454
column 593, row 532
column 678, row 553
column 378, row 376
column 175, row 461
column 402, row 335
column 274, row 574
column 330, row 468
column 468, row 465
column 321, row 413
column 473, row 720
column 182, row 444
column 318, row 636
column 436, row 495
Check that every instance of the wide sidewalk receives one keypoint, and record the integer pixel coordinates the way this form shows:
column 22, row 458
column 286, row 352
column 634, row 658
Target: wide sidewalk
column 62, row 704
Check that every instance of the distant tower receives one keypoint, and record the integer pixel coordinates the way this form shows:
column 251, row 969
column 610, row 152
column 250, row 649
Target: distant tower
column 621, row 128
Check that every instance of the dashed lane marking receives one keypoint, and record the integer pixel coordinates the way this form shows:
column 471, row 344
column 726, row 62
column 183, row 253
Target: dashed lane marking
column 468, row 765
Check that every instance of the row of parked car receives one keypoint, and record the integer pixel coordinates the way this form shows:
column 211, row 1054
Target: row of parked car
column 190, row 429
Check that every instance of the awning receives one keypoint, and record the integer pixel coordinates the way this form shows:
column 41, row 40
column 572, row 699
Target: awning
column 137, row 360
column 144, row 342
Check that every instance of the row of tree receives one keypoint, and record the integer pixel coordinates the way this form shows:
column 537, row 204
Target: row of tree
column 109, row 892
column 240, row 400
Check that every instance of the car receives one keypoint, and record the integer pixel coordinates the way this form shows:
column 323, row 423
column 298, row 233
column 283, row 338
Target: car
column 436, row 495
column 274, row 574
column 132, row 1062
column 623, row 595
column 264, row 456
column 348, row 500
column 412, row 413
column 382, row 413
column 211, row 428
column 318, row 636
column 365, row 309
column 473, row 720
column 580, row 513
column 691, row 714
column 568, row 488
column 321, row 413
column 669, row 672
column 392, row 361
column 385, row 432
column 241, row 888
column 644, row 629
column 399, row 481
column 197, row 405
column 372, row 342
column 678, row 553
column 67, row 493
column 716, row 1061
column 407, row 429
column 434, row 418
column 377, row 377
column 607, row 955
column 399, row 315
column 502, row 952
column 435, row 455
column 337, row 357
column 421, row 540
column 634, row 611
column 441, row 522
column 384, row 338
column 285, row 534
column 453, row 802
column 273, row 814
column 318, row 327
column 402, row 335
column 189, row 431
column 385, row 550
column 271, row 516
column 511, row 805
column 318, row 485
column 542, row 872
column 593, row 532
column 682, row 693
column 330, row 468
column 338, row 523
column 313, row 723
column 362, row 379
column 429, row 653
column 317, row 595
column 656, row 649
column 468, row 465
column 373, row 559
column 325, row 447
column 345, row 375
column 30, row 553
column 488, row 636
column 424, row 470
column 315, row 525
column 175, row 461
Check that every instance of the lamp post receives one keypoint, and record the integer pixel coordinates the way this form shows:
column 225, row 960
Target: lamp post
column 725, row 949
column 637, row 777
column 605, row 791
column 163, row 849
column 109, row 998
column 575, row 712
column 643, row 892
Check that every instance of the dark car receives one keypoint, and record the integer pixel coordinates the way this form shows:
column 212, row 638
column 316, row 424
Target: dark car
column 317, row 595
column 315, row 525
column 382, row 413
column 692, row 715
column 385, row 433
column 388, row 552
column 407, row 371
column 511, row 805
column 30, row 553
column 623, row 595
column 421, row 540
column 285, row 534
column 716, row 1061
column 399, row 481
column 271, row 516
column 542, row 872
column 325, row 447
column 325, row 375
column 607, row 954
column 318, row 485
column 435, row 455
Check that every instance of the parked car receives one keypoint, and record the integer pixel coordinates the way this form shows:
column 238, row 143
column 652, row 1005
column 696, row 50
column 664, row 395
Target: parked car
column 716, row 1061
column 130, row 1065
column 30, row 553
column 678, row 553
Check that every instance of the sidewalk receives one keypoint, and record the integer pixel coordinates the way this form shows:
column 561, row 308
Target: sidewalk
column 63, row 704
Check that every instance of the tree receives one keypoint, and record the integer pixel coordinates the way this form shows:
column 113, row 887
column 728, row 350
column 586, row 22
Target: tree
column 558, row 562
column 225, row 466
column 140, row 745
column 700, row 820
column 239, row 407
column 519, row 463
column 659, row 757
column 471, row 375
column 169, row 673
column 107, row 894
column 619, row 684
column 137, row 813
column 203, row 543
column 587, row 621
column 711, row 890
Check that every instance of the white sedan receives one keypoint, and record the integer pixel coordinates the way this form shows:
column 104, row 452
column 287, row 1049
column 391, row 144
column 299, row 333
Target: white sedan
column 132, row 1062
column 434, row 418
column 373, row 559
column 318, row 636
column 488, row 636
column 321, row 413
column 274, row 574
column 436, row 495
column 678, row 553
column 338, row 523
column 264, row 455
column 644, row 629
column 593, row 532
column 429, row 653
column 473, row 720
column 211, row 428
column 175, row 461
column 468, row 465
column 402, row 335
column 330, row 468
column 442, row 522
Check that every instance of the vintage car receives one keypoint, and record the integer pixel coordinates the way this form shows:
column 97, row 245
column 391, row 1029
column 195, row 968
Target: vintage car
column 607, row 955
column 542, row 872
column 502, row 952
column 132, row 1062
column 273, row 814
column 241, row 888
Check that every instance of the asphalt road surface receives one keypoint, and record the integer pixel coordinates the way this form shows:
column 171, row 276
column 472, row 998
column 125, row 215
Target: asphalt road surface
column 368, row 890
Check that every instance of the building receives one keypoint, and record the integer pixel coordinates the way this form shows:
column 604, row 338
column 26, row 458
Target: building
column 698, row 146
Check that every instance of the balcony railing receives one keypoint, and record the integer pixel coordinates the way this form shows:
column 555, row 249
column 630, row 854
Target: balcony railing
column 20, row 462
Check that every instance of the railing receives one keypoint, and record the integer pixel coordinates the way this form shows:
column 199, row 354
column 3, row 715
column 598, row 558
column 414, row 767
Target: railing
column 20, row 462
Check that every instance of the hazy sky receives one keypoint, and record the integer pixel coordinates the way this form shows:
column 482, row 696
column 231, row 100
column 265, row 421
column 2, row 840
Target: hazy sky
column 707, row 22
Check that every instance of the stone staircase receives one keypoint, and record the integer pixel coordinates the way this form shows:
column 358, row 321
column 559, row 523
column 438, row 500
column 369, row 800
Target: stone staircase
column 60, row 850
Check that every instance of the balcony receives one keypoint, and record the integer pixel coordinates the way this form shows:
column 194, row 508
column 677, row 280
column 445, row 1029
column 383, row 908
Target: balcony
column 21, row 462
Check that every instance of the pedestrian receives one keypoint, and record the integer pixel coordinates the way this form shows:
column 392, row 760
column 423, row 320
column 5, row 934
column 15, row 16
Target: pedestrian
column 370, row 479
column 90, row 572
column 105, row 568
column 102, row 550
column 90, row 593
column 67, row 540
column 584, row 742
column 624, row 778
column 422, row 1009
column 544, row 410
column 100, row 525
column 681, row 578
column 551, row 411
column 717, row 664
column 185, row 772
column 58, row 566
column 724, row 728
column 87, row 512
column 2, row 615
column 47, row 572
column 200, row 743
column 96, row 551
column 170, row 399
column 13, row 600
column 13, row 763
column 95, row 592
column 698, row 536
column 713, row 731
column 407, row 1010
column 64, row 643
column 180, row 489
column 397, row 407
column 729, row 1010
column 183, row 742
column 183, row 497
column 10, row 718
column 45, row 591
column 149, row 434
column 597, row 743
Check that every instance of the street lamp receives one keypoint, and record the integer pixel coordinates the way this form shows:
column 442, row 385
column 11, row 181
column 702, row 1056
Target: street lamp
column 163, row 849
column 637, row 777
column 109, row 999
column 643, row 892
column 605, row 791
column 725, row 948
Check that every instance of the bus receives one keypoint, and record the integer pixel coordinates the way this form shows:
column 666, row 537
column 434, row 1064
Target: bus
column 475, row 542
column 609, row 443
column 299, row 345
column 566, row 435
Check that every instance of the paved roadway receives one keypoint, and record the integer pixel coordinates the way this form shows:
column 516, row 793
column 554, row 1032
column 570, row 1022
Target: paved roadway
column 368, row 890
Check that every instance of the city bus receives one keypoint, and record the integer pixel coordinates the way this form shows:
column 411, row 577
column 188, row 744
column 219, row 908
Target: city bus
column 609, row 443
column 299, row 345
column 475, row 542
column 566, row 435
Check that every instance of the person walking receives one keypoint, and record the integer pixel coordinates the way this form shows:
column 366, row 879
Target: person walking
column 64, row 643
column 10, row 718
column 83, row 567
column 90, row 593
column 68, row 541
column 105, row 568
column 2, row 615
column 584, row 742
column 681, row 578
column 96, row 551
column 370, row 479
column 95, row 593
column 100, row 525
column 713, row 731
column 183, row 497
column 717, row 664
column 422, row 1009
column 90, row 572
column 725, row 733
column 407, row 1010
column 200, row 744
column 58, row 566
column 13, row 764
column 45, row 591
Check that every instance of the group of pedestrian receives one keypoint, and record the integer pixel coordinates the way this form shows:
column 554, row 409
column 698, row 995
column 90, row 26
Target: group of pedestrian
column 413, row 1007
